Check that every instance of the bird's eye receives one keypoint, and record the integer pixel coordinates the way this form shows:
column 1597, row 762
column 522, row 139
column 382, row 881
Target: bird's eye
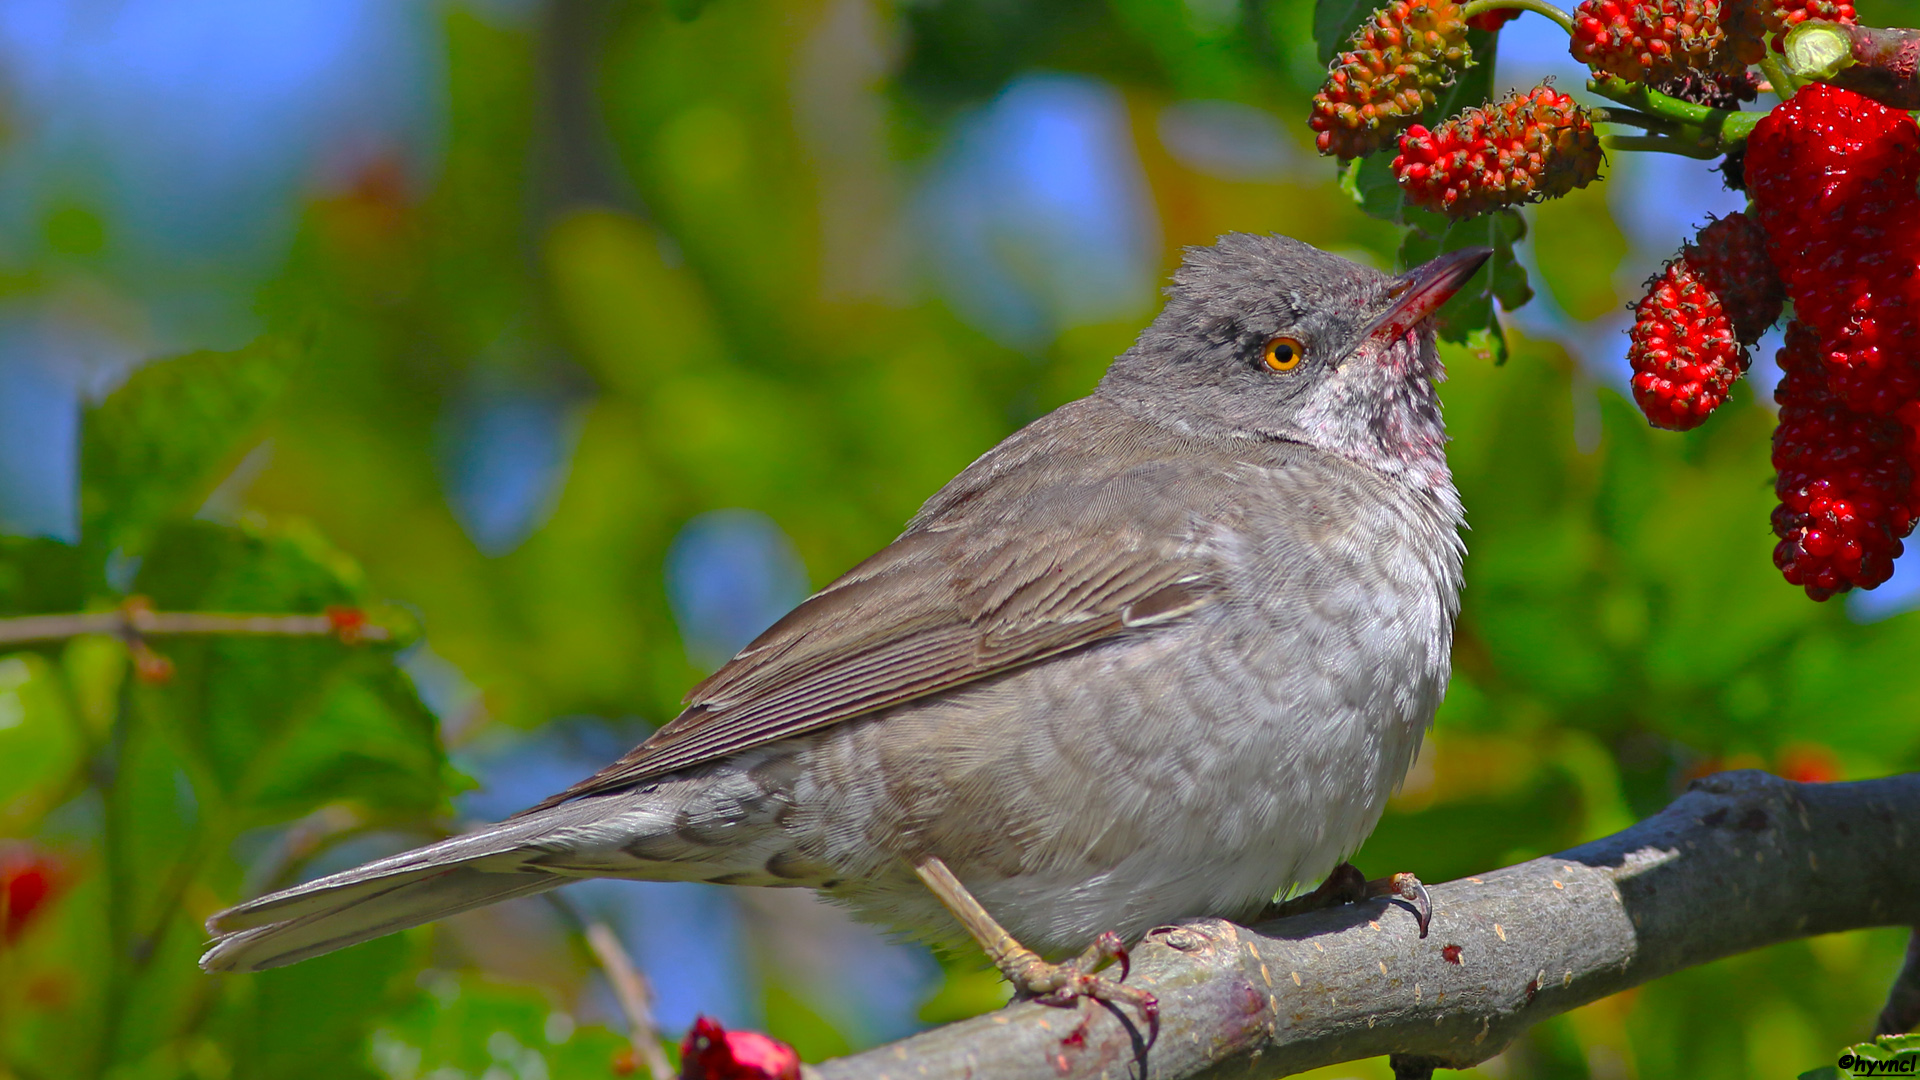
column 1283, row 353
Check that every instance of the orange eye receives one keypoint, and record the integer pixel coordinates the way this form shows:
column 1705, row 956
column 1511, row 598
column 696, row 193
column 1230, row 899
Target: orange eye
column 1283, row 353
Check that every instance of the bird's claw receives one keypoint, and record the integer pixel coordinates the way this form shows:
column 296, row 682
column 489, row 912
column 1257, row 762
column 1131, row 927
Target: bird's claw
column 1409, row 888
column 1077, row 981
column 1347, row 885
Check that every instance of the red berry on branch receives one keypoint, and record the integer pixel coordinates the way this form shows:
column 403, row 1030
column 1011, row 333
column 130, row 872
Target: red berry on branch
column 1730, row 258
column 1535, row 144
column 1684, row 354
column 1844, row 483
column 349, row 624
column 1647, row 40
column 1832, row 175
column 29, row 880
column 1492, row 21
column 1392, row 69
column 711, row 1052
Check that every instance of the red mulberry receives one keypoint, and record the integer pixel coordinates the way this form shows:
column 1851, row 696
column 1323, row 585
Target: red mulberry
column 1536, row 144
column 1730, row 256
column 1832, row 176
column 1647, row 40
column 1684, row 355
column 1393, row 68
column 1845, row 486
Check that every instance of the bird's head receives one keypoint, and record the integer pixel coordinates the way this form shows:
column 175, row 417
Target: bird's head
column 1267, row 337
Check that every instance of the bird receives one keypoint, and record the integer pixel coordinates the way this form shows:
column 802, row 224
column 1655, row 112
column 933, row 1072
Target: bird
column 1163, row 653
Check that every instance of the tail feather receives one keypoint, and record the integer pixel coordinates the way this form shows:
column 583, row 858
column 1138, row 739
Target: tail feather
column 392, row 907
column 395, row 893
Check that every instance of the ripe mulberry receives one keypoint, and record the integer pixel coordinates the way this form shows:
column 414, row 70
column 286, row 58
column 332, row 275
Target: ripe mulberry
column 1730, row 257
column 1832, row 175
column 1647, row 40
column 1536, row 144
column 1845, row 486
column 1684, row 354
column 1392, row 70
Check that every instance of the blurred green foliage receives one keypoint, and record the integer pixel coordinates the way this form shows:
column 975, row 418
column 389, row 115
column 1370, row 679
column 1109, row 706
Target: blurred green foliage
column 696, row 261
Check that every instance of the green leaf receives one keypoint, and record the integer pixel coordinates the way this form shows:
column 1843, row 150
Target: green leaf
column 312, row 1019
column 1469, row 317
column 280, row 726
column 472, row 1026
column 1369, row 180
column 40, row 576
column 152, row 448
column 40, row 741
column 1334, row 22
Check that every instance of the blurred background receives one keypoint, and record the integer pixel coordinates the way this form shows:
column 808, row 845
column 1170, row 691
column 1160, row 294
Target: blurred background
column 579, row 339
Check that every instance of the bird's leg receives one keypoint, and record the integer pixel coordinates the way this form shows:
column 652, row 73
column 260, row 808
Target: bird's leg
column 1347, row 885
column 1063, row 984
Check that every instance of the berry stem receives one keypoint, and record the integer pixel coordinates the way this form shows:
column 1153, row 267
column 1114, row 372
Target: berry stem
column 1704, row 126
column 1539, row 7
column 1634, row 117
column 1659, row 144
column 1782, row 80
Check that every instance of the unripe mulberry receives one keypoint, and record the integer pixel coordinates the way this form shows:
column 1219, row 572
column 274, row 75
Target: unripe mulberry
column 1684, row 355
column 1536, row 144
column 1730, row 257
column 1845, row 485
column 1394, row 66
column 1647, row 40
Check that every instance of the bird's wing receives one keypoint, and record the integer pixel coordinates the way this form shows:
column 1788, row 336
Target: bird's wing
column 1005, row 576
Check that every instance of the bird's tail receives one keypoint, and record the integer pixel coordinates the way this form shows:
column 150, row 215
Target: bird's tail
column 513, row 858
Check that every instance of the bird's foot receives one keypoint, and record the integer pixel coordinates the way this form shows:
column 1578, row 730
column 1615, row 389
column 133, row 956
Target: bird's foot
column 1074, row 983
column 1347, row 885
column 1078, row 980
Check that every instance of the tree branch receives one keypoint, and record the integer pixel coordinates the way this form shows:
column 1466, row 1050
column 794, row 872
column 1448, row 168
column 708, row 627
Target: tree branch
column 1741, row 861
column 135, row 620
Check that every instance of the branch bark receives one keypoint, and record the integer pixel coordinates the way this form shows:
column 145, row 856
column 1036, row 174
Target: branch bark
column 1741, row 861
column 134, row 621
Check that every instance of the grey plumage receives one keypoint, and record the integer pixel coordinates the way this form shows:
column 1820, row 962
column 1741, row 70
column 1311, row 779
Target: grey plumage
column 1160, row 654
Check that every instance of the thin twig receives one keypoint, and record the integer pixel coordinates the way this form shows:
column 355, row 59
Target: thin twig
column 635, row 997
column 135, row 621
column 1902, row 1013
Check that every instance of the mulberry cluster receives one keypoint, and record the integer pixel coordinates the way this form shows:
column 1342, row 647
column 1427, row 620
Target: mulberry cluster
column 1390, row 73
column 1691, row 329
column 1684, row 354
column 1730, row 255
column 1845, row 481
column 1832, row 176
column 711, row 1052
column 1536, row 144
column 1647, row 40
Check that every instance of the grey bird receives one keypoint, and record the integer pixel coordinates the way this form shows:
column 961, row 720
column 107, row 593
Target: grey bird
column 1163, row 653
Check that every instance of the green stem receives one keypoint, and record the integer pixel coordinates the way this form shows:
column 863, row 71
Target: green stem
column 1636, row 118
column 1718, row 129
column 1777, row 74
column 1538, row 7
column 1659, row 144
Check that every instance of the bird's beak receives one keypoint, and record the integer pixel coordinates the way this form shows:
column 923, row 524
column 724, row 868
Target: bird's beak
column 1419, row 293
